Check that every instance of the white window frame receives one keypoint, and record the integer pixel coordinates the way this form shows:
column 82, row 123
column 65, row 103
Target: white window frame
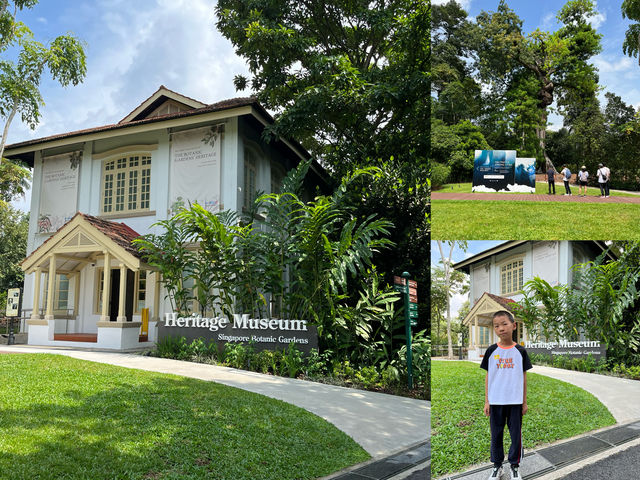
column 251, row 166
column 137, row 308
column 517, row 271
column 132, row 166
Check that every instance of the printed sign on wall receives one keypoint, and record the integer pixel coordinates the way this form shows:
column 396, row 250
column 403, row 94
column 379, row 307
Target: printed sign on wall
column 195, row 169
column 494, row 170
column 59, row 192
column 525, row 175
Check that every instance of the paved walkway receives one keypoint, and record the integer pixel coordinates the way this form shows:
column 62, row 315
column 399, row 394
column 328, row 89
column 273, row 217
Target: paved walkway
column 620, row 395
column 381, row 423
column 531, row 197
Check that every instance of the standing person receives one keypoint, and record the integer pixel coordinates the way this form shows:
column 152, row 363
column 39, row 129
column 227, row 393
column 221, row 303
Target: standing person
column 566, row 176
column 551, row 179
column 608, row 181
column 583, row 176
column 505, row 397
column 603, row 180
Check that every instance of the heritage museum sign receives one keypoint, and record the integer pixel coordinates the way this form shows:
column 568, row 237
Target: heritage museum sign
column 570, row 349
column 264, row 333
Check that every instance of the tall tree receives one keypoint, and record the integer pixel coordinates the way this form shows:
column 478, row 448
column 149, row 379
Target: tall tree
column 348, row 79
column 446, row 265
column 631, row 44
column 63, row 58
column 558, row 60
column 14, row 227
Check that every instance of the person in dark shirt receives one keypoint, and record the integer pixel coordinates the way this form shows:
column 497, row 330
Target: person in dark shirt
column 551, row 179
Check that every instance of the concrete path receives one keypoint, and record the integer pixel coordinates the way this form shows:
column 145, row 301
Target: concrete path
column 381, row 423
column 531, row 197
column 620, row 395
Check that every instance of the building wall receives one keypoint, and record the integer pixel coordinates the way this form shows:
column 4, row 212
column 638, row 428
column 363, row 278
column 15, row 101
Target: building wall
column 237, row 136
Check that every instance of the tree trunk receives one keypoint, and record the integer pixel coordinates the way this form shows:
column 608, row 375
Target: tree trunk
column 447, row 283
column 5, row 131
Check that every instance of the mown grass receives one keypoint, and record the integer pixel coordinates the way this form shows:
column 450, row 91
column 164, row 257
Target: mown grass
column 69, row 419
column 460, row 433
column 524, row 220
column 542, row 188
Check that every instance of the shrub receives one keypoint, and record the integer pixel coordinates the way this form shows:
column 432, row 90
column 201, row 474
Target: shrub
column 368, row 377
column 292, row 360
column 172, row 347
column 439, row 174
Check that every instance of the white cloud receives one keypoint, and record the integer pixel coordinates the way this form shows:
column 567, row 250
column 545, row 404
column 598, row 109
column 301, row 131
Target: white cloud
column 598, row 19
column 466, row 4
column 616, row 64
column 131, row 51
column 548, row 21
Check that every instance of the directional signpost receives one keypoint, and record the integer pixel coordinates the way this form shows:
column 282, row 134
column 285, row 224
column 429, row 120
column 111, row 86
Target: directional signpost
column 409, row 289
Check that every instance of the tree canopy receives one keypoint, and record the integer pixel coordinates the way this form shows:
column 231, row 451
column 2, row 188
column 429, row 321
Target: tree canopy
column 63, row 58
column 348, row 79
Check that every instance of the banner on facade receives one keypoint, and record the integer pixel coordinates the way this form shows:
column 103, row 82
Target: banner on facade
column 195, row 169
column 59, row 191
column 494, row 170
column 571, row 349
column 525, row 175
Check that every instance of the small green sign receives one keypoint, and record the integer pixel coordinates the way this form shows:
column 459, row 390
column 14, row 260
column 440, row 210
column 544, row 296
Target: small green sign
column 399, row 288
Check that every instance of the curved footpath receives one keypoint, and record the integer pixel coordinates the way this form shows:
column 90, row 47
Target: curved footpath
column 531, row 197
column 620, row 395
column 380, row 423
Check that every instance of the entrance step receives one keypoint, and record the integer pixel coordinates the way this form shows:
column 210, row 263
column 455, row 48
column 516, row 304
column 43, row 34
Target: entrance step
column 76, row 337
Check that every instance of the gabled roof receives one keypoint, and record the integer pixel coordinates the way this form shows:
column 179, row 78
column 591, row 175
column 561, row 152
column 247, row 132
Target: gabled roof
column 487, row 305
column 160, row 96
column 79, row 240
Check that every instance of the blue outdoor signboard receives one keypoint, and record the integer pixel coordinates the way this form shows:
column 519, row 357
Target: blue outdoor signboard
column 494, row 170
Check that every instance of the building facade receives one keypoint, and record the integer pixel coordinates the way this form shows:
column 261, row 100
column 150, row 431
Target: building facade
column 95, row 190
column 497, row 276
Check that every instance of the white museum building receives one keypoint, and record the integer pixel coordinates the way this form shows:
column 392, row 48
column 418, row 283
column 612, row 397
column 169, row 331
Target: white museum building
column 498, row 274
column 95, row 190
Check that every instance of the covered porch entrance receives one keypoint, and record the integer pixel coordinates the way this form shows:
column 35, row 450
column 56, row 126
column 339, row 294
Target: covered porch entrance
column 87, row 287
column 480, row 323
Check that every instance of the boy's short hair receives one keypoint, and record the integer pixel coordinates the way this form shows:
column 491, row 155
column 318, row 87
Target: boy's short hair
column 504, row 313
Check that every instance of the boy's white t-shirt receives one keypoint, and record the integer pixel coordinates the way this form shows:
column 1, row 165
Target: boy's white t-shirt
column 506, row 367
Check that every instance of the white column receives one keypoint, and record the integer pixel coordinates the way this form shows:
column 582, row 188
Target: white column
column 35, row 313
column 106, row 287
column 122, row 296
column 156, row 297
column 51, row 286
column 476, row 343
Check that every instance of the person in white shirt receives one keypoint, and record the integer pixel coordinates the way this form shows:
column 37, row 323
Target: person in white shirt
column 583, row 176
column 603, row 180
column 566, row 176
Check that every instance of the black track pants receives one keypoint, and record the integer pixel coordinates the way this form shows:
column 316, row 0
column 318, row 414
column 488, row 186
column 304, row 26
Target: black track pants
column 512, row 416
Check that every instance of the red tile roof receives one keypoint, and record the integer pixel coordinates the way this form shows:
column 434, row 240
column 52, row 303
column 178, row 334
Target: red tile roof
column 505, row 302
column 120, row 233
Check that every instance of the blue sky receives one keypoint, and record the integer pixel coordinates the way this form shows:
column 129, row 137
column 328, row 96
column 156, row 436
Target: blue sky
column 619, row 74
column 132, row 48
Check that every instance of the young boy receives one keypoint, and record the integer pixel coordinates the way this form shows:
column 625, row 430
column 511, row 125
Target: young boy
column 505, row 393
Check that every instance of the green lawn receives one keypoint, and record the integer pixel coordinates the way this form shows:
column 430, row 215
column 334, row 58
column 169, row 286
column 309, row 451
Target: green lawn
column 541, row 189
column 460, row 434
column 69, row 419
column 524, row 220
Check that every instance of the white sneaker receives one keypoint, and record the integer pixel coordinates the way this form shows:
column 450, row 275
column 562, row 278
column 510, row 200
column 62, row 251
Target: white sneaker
column 496, row 473
column 515, row 474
